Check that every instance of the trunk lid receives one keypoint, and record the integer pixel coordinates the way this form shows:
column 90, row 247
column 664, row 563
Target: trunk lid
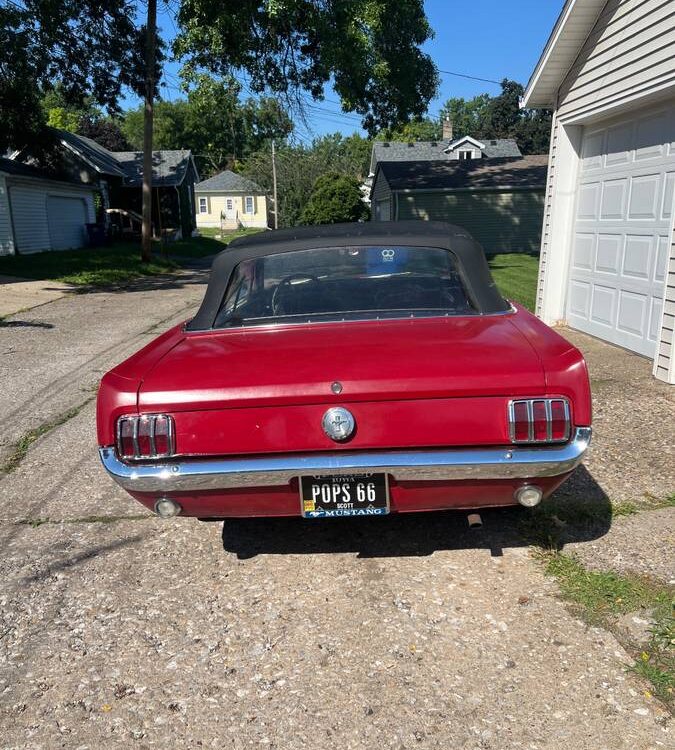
column 373, row 361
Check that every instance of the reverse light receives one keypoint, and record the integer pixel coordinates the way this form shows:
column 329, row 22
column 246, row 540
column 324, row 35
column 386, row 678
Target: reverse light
column 539, row 420
column 145, row 436
column 529, row 496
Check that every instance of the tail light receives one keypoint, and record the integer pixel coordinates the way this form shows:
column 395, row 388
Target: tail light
column 539, row 420
column 145, row 436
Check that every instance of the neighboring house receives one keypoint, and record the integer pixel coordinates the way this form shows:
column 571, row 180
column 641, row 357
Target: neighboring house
column 39, row 213
column 118, row 177
column 607, row 255
column 499, row 201
column 446, row 149
column 230, row 201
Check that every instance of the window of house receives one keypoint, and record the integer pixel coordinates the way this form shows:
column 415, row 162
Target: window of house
column 465, row 154
column 249, row 205
column 203, row 207
column 229, row 204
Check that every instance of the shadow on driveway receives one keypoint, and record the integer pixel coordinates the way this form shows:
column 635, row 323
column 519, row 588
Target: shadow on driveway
column 580, row 512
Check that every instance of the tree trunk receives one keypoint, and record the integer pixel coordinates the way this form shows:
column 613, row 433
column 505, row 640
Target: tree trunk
column 146, row 247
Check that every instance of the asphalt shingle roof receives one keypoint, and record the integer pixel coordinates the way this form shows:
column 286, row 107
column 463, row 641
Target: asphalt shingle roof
column 100, row 157
column 435, row 150
column 19, row 169
column 168, row 167
column 526, row 171
column 229, row 182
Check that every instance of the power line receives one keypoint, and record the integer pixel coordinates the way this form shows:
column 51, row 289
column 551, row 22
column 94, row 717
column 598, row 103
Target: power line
column 473, row 78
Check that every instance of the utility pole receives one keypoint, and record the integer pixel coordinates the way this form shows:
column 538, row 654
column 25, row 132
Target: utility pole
column 146, row 245
column 274, row 187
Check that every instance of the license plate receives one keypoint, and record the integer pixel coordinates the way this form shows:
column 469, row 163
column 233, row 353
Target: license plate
column 353, row 495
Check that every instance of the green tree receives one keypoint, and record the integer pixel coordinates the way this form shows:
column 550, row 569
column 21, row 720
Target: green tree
column 420, row 129
column 84, row 47
column 213, row 122
column 299, row 167
column 500, row 116
column 468, row 115
column 335, row 198
column 105, row 131
column 369, row 49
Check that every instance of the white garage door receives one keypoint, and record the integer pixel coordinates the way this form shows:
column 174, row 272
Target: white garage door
column 622, row 230
column 66, row 218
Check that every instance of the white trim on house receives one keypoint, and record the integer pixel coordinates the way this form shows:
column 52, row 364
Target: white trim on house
column 608, row 68
column 571, row 30
column 205, row 209
column 453, row 145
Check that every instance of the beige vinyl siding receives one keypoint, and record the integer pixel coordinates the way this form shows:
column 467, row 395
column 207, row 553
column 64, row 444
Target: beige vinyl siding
column 216, row 204
column 6, row 234
column 502, row 221
column 628, row 53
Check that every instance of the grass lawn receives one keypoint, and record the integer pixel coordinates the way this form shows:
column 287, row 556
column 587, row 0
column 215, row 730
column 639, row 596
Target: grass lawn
column 86, row 267
column 100, row 267
column 515, row 273
column 516, row 276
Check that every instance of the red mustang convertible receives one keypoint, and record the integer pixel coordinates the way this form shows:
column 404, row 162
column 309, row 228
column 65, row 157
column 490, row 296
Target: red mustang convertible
column 354, row 369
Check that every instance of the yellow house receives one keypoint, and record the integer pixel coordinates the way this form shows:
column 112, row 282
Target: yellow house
column 230, row 201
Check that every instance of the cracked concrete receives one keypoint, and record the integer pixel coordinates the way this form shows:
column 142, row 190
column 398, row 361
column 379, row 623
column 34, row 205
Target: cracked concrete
column 400, row 632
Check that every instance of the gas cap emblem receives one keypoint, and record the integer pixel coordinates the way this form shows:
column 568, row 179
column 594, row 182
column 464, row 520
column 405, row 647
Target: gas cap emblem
column 338, row 423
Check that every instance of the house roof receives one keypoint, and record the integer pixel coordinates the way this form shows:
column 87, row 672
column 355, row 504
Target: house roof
column 9, row 166
column 574, row 24
column 168, row 167
column 526, row 171
column 229, row 182
column 19, row 169
column 436, row 150
column 100, row 158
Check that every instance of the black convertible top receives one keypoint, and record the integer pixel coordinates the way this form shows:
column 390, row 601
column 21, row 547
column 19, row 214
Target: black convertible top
column 472, row 265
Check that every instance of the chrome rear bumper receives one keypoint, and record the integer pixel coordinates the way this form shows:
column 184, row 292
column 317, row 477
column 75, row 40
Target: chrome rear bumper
column 194, row 475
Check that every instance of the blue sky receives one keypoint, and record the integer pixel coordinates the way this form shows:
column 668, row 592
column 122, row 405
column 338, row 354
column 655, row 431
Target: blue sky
column 491, row 39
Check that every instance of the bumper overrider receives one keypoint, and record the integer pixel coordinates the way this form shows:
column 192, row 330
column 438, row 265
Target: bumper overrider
column 444, row 465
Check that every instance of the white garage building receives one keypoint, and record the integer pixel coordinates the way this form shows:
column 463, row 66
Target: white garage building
column 607, row 262
column 37, row 213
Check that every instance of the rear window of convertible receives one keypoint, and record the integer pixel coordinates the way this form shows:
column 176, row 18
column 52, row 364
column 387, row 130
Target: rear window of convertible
column 345, row 283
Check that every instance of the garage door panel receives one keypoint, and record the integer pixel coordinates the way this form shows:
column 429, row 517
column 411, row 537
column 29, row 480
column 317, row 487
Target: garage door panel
column 637, row 257
column 608, row 254
column 643, row 194
column 649, row 137
column 655, row 317
column 589, row 200
column 582, row 254
column 66, row 218
column 613, row 202
column 622, row 234
column 663, row 249
column 619, row 139
column 603, row 305
column 580, row 298
column 668, row 194
column 632, row 312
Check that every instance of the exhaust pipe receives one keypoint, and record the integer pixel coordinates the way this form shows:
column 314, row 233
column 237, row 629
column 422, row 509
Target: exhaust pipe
column 474, row 520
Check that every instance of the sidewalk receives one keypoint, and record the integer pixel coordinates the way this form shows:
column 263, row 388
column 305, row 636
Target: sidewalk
column 17, row 294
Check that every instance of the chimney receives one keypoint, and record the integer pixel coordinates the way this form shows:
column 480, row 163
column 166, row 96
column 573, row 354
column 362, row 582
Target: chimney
column 447, row 129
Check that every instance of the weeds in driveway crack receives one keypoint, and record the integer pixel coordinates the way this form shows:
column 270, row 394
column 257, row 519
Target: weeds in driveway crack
column 601, row 597
column 20, row 448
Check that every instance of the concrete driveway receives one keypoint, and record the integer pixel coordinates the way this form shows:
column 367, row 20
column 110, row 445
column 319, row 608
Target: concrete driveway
column 118, row 629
